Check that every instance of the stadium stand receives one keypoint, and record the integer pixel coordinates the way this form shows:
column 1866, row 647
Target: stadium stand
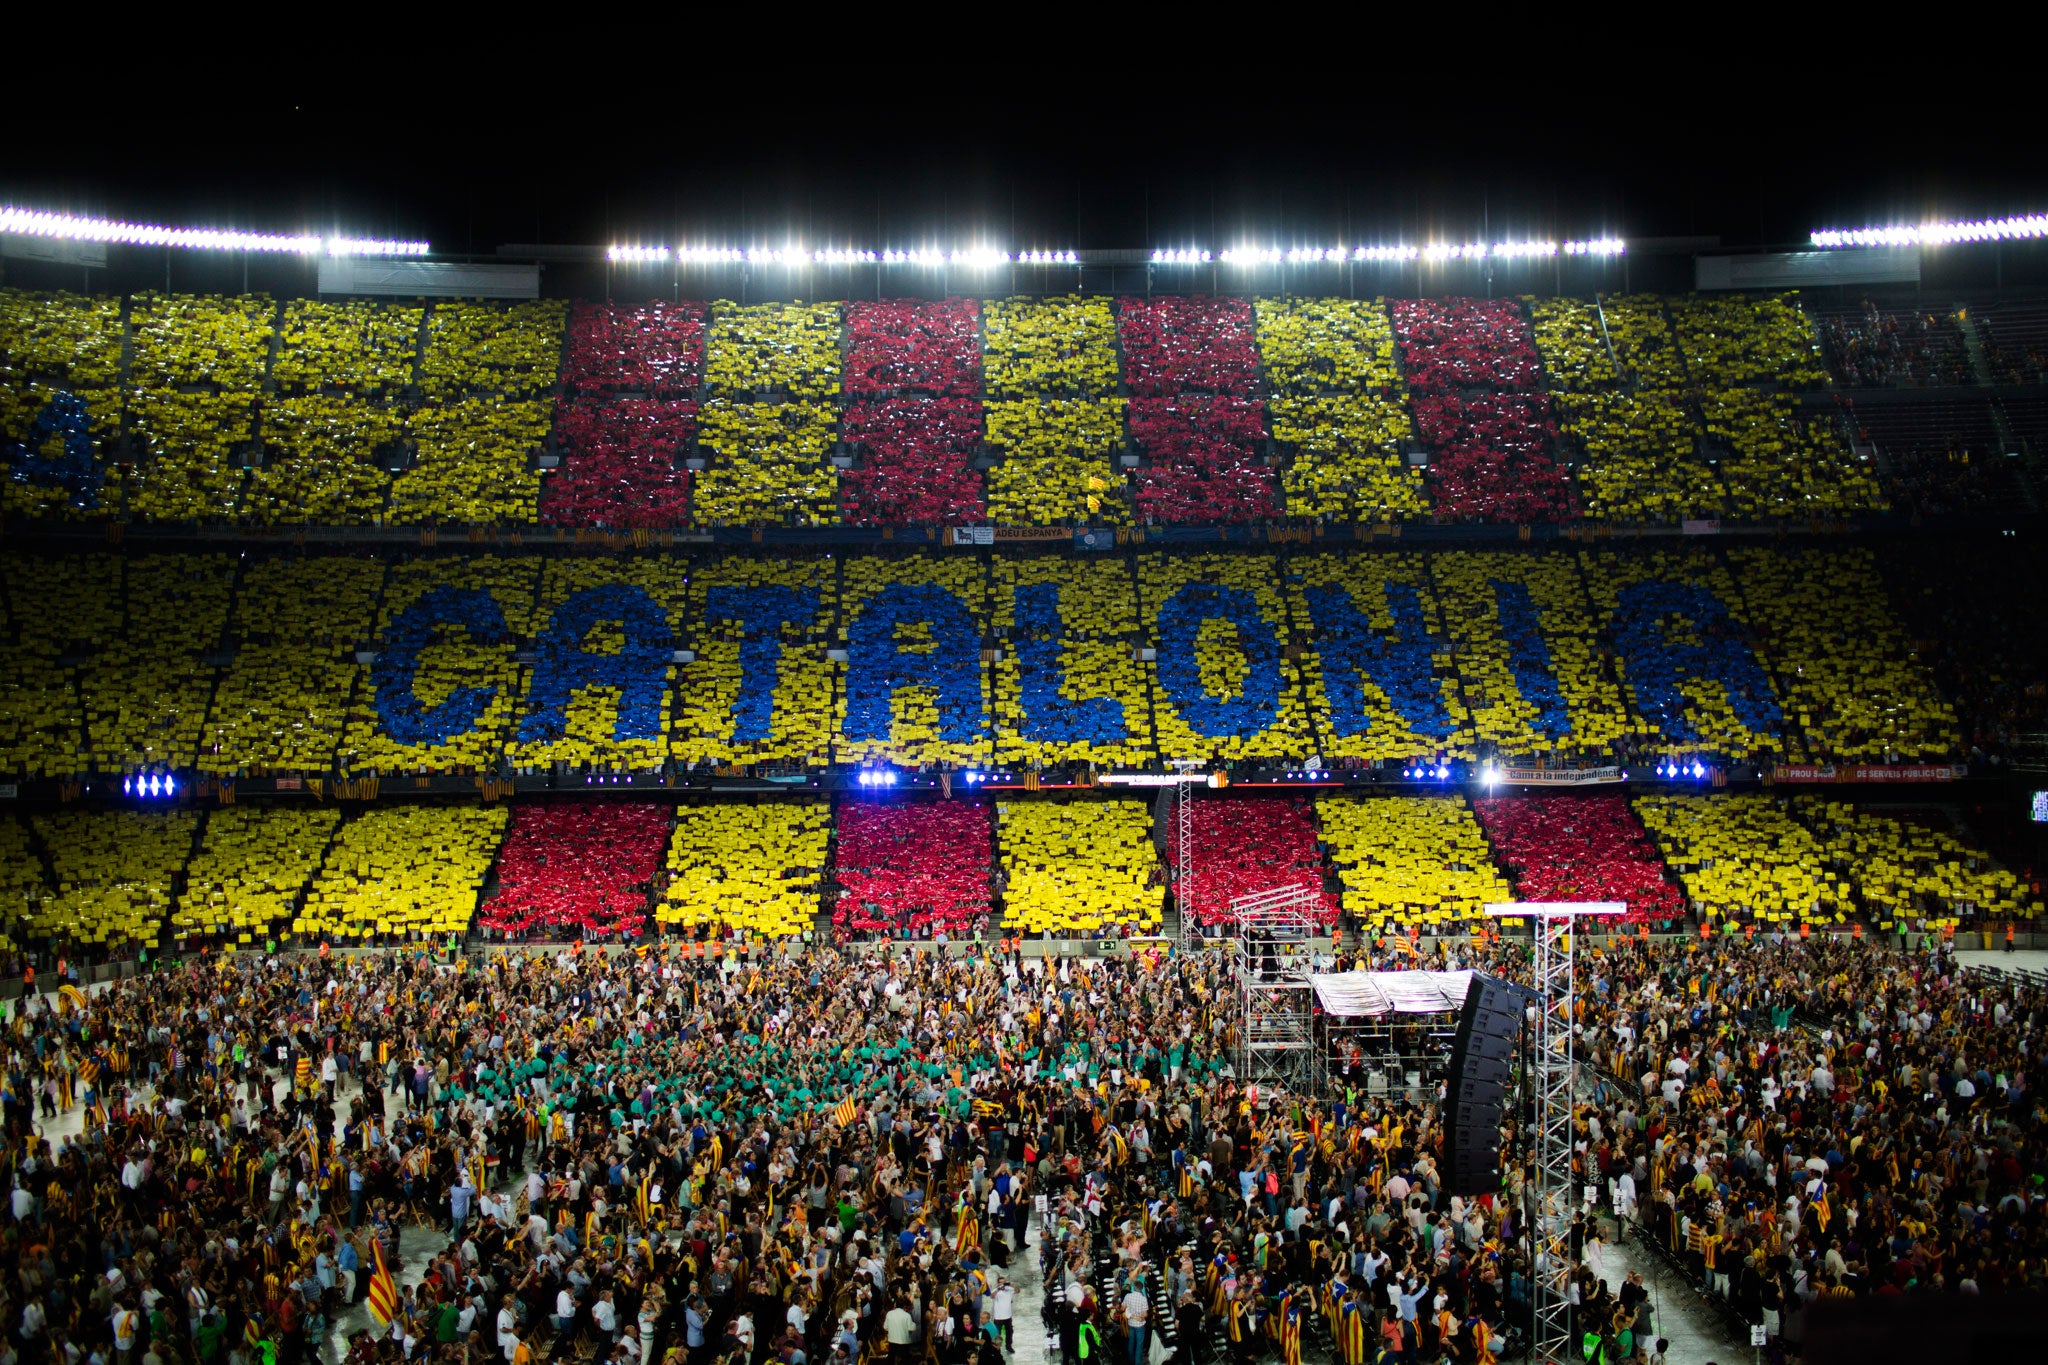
column 1243, row 846
column 1078, row 867
column 575, row 869
column 2015, row 337
column 1579, row 848
column 1873, row 348
column 1069, row 687
column 113, row 875
column 757, row 869
column 244, row 884
column 395, row 873
column 913, row 870
column 1409, row 860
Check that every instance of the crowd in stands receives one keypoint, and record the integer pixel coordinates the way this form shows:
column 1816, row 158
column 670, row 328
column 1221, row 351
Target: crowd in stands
column 1624, row 409
column 570, row 868
column 1072, row 866
column 1410, row 860
column 1579, row 848
column 913, row 870
column 352, row 667
column 757, row 869
column 1070, row 689
column 1243, row 846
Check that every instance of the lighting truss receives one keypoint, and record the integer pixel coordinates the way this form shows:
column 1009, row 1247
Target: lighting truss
column 64, row 227
column 2026, row 228
column 796, row 257
column 1552, row 1076
column 1275, row 1037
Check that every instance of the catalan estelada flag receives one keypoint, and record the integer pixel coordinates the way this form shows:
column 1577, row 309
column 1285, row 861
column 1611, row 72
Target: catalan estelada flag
column 383, row 1295
column 843, row 1114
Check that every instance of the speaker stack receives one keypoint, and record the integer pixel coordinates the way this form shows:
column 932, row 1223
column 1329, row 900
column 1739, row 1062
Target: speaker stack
column 1482, row 1068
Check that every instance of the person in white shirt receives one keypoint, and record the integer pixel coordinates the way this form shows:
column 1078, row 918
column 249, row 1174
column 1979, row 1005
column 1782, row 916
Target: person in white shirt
column 1136, row 1310
column 508, row 1327
column 1003, row 1311
column 605, row 1316
column 898, row 1325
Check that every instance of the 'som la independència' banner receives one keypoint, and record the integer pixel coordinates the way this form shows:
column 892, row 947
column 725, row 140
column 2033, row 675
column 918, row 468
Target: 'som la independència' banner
column 1559, row 777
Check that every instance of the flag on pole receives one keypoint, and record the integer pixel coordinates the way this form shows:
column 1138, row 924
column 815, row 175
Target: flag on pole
column 642, row 1204
column 843, row 1114
column 383, row 1294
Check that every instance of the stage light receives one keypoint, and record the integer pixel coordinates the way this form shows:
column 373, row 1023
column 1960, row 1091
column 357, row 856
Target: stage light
column 66, row 227
column 2025, row 228
column 1442, row 772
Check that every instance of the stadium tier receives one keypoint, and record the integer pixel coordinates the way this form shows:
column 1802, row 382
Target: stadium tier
column 244, row 411
column 354, row 667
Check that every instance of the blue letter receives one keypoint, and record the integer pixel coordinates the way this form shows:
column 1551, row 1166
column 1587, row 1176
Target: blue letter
column 398, row 661
column 565, row 666
column 878, row 664
column 1656, row 664
column 1529, row 657
column 74, row 468
column 760, row 614
column 1400, row 665
column 1049, row 714
column 1180, row 625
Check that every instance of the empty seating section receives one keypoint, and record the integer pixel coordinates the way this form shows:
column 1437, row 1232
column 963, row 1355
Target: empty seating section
column 1069, row 686
column 569, row 869
column 245, row 883
column 1243, row 846
column 1939, row 455
column 1086, row 866
column 398, row 870
column 1405, row 860
column 755, row 869
column 1973, row 610
column 1871, row 348
column 2015, row 337
column 1579, row 848
column 919, row 870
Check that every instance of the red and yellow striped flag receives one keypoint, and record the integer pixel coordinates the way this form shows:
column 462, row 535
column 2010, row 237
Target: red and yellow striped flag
column 383, row 1295
column 845, row 1111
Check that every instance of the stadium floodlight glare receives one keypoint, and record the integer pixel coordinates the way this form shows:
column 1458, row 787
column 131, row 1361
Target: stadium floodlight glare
column 637, row 255
column 1384, row 253
column 1513, row 251
column 709, row 255
column 1184, row 256
column 2025, row 228
column 64, row 227
column 1048, row 258
column 1598, row 246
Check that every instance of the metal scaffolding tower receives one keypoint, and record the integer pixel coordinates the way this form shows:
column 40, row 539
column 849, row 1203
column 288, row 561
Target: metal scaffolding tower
column 1552, row 1080
column 1274, row 943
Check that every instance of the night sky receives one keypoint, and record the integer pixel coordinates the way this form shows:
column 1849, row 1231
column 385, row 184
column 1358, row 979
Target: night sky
column 1100, row 164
